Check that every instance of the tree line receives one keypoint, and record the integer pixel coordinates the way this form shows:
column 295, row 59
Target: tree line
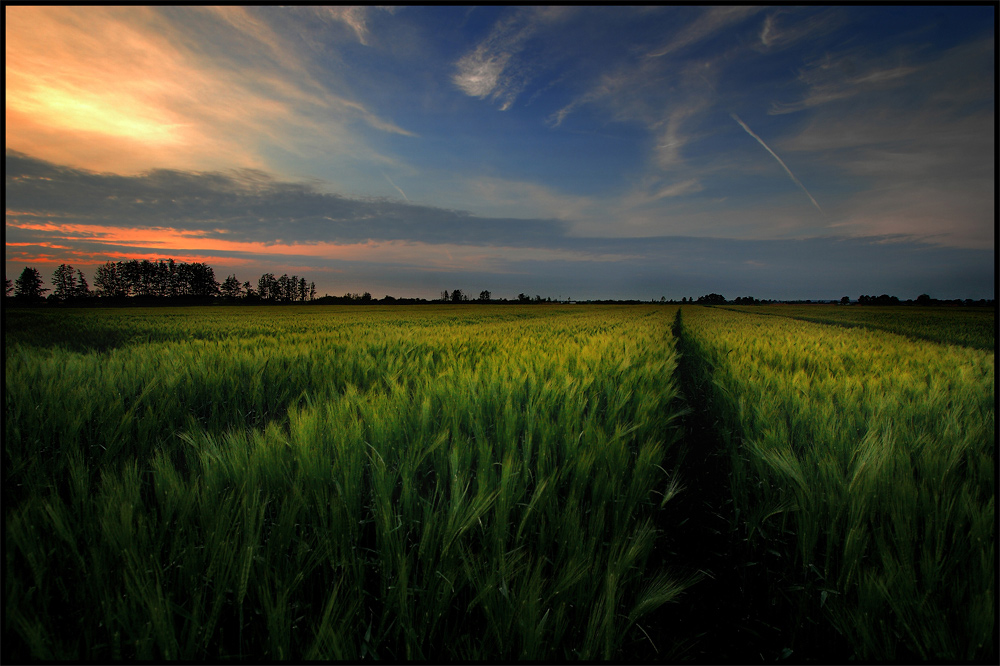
column 166, row 279
column 883, row 299
column 485, row 296
column 162, row 279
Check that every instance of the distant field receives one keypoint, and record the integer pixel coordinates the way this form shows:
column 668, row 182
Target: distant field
column 489, row 482
column 967, row 326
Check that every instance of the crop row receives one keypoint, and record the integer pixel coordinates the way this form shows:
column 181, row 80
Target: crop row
column 388, row 485
column 866, row 460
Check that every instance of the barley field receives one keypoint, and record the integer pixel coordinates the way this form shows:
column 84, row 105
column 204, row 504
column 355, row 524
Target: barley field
column 864, row 461
column 335, row 483
column 490, row 482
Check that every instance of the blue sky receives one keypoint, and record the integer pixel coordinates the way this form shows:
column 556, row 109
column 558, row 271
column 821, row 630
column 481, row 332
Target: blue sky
column 591, row 152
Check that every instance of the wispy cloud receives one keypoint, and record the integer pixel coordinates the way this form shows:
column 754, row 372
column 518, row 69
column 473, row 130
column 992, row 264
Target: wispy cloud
column 786, row 27
column 479, row 72
column 689, row 186
column 493, row 68
column 671, row 139
column 258, row 32
column 711, row 22
column 833, row 78
column 505, row 197
column 355, row 18
column 124, row 89
column 648, row 91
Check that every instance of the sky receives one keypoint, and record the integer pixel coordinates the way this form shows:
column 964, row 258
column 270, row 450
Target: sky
column 573, row 152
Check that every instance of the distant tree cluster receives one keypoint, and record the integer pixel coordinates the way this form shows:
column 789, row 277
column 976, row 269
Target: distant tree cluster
column 486, row 296
column 925, row 299
column 366, row 299
column 746, row 300
column 69, row 285
column 884, row 299
column 272, row 289
column 162, row 279
column 712, row 299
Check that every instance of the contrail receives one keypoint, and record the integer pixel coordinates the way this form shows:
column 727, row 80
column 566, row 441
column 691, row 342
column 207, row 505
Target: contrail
column 401, row 191
column 775, row 156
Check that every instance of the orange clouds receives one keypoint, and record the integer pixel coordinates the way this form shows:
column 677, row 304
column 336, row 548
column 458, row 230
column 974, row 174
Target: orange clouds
column 127, row 89
column 84, row 87
column 161, row 242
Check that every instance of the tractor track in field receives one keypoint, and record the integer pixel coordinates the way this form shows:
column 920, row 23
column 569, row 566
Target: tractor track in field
column 716, row 616
column 736, row 612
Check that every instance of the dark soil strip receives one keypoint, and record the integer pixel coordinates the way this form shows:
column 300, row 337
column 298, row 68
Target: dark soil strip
column 740, row 611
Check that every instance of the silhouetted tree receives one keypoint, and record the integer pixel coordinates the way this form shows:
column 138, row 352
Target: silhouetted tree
column 266, row 286
column 292, row 289
column 108, row 282
column 312, row 291
column 846, row 300
column 63, row 282
column 201, row 280
column 445, row 296
column 9, row 287
column 172, row 279
column 484, row 295
column 923, row 299
column 82, row 287
column 457, row 296
column 29, row 285
column 523, row 298
column 230, row 287
column 148, row 282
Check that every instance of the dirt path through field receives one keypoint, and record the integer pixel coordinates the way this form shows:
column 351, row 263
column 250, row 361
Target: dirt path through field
column 736, row 613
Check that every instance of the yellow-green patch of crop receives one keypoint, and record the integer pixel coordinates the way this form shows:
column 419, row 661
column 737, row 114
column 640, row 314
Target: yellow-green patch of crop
column 340, row 483
column 876, row 453
column 966, row 326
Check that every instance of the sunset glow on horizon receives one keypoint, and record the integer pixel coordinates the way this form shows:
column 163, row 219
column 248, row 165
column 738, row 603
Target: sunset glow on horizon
column 788, row 152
